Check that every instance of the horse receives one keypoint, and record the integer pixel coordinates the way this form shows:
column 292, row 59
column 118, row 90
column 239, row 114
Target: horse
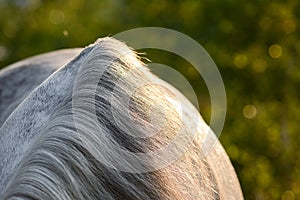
column 95, row 123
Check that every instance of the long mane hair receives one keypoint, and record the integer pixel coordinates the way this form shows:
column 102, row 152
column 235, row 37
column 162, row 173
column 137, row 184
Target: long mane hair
column 90, row 129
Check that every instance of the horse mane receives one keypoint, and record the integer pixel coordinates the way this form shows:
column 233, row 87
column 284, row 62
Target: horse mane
column 90, row 129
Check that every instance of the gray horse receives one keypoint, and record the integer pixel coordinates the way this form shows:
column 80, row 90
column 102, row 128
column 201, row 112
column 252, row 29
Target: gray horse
column 95, row 123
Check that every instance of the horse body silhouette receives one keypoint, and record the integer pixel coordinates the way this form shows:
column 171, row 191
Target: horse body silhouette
column 50, row 148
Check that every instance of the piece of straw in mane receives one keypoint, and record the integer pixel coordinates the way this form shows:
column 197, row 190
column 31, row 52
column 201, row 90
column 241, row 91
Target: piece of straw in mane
column 93, row 127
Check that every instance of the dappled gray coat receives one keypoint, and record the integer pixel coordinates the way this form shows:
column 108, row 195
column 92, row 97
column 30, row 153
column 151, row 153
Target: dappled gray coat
column 94, row 123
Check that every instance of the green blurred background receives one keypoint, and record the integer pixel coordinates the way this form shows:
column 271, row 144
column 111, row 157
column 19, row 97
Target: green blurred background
column 254, row 43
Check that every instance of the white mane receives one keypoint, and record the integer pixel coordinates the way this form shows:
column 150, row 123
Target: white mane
column 74, row 139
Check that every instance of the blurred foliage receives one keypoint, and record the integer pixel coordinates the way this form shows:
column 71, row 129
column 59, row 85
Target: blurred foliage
column 255, row 44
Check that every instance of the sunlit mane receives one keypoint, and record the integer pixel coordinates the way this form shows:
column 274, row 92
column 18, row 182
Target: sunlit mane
column 87, row 132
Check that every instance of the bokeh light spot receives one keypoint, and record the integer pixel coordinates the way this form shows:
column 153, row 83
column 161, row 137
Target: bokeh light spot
column 288, row 195
column 240, row 60
column 65, row 33
column 289, row 26
column 275, row 51
column 296, row 187
column 56, row 17
column 249, row 111
column 265, row 23
column 259, row 65
column 233, row 152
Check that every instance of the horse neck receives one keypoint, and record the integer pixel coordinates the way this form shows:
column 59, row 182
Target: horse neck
column 32, row 115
